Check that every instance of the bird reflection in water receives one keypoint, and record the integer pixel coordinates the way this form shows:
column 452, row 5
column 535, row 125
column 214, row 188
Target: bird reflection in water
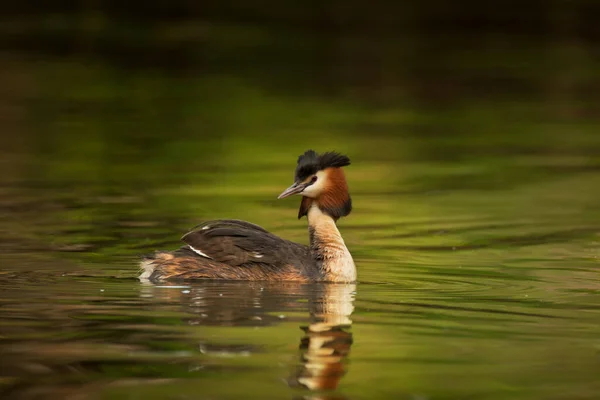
column 327, row 340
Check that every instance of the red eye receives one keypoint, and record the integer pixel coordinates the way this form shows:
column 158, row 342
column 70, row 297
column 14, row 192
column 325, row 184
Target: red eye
column 314, row 179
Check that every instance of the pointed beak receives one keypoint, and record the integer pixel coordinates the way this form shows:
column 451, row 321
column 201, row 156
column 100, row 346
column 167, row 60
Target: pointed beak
column 296, row 188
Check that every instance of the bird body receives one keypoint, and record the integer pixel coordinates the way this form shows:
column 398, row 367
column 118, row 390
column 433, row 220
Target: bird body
column 240, row 250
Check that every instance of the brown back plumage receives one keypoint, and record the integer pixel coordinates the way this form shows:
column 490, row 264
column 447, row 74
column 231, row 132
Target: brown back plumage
column 233, row 249
column 240, row 243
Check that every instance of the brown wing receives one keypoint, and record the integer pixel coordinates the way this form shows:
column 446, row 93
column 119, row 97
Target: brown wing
column 240, row 243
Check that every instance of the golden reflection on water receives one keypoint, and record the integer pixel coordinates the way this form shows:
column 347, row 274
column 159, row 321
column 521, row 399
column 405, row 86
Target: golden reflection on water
column 327, row 341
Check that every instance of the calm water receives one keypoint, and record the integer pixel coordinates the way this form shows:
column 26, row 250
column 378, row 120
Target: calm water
column 476, row 227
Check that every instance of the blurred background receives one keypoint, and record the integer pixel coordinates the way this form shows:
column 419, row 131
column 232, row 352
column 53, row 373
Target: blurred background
column 169, row 113
column 473, row 130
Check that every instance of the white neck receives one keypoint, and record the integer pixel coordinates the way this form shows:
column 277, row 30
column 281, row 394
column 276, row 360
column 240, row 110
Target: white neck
column 328, row 248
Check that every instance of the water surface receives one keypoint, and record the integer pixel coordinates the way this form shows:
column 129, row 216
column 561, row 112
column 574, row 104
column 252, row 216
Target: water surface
column 476, row 227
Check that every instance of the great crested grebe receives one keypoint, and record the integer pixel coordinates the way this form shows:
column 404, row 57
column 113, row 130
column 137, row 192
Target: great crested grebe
column 239, row 250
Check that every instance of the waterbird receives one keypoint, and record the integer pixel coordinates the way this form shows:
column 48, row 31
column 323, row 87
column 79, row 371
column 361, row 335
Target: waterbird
column 229, row 249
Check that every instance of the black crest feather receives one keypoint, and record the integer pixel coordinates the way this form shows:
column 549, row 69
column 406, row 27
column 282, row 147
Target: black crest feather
column 310, row 162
